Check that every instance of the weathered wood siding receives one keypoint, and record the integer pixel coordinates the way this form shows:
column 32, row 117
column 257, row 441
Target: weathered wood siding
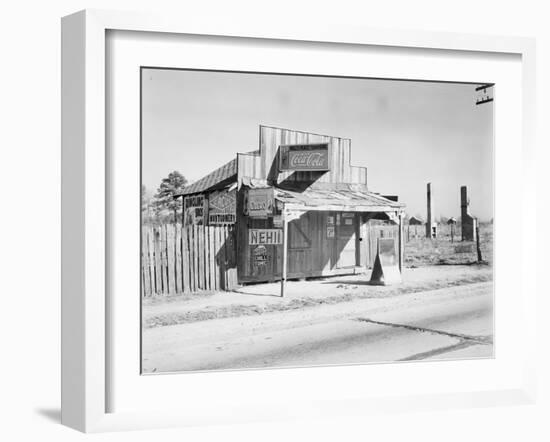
column 353, row 247
column 176, row 259
column 310, row 251
column 264, row 165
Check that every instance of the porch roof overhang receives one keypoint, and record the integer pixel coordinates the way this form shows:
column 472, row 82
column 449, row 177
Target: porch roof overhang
column 343, row 200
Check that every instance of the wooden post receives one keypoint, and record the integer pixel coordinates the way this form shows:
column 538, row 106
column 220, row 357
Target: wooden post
column 401, row 242
column 479, row 257
column 452, row 233
column 285, row 254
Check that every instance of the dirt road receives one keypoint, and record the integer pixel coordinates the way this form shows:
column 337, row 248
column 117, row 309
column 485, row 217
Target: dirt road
column 454, row 322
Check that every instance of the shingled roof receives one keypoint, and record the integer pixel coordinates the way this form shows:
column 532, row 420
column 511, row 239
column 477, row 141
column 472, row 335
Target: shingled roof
column 216, row 179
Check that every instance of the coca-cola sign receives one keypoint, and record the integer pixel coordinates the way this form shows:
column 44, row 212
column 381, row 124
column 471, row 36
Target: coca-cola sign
column 304, row 157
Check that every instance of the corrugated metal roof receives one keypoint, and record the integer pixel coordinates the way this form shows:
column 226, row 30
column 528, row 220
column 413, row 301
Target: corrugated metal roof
column 213, row 179
column 350, row 199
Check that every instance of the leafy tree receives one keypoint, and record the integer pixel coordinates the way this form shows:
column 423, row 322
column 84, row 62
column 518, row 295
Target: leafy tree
column 144, row 199
column 163, row 202
column 147, row 214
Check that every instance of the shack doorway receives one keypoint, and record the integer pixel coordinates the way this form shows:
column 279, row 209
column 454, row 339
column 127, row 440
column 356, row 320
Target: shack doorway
column 300, row 245
column 344, row 245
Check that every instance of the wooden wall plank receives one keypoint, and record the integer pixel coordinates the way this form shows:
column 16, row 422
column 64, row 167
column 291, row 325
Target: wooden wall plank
column 211, row 257
column 177, row 259
column 185, row 261
column 219, row 242
column 164, row 260
column 271, row 138
column 194, row 243
column 179, row 286
column 151, row 251
column 145, row 275
column 223, row 247
column 190, row 232
column 200, row 247
column 207, row 259
column 171, row 259
column 158, row 260
column 207, row 266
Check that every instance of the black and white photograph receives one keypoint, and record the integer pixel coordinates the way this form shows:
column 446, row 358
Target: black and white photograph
column 299, row 221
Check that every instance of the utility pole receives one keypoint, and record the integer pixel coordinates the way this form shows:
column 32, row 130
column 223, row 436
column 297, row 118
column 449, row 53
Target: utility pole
column 485, row 93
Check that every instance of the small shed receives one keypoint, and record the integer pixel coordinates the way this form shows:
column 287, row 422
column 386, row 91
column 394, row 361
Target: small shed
column 414, row 221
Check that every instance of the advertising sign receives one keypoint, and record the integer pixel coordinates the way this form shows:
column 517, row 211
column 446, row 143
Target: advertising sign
column 305, row 157
column 194, row 208
column 277, row 221
column 259, row 203
column 260, row 256
column 265, row 236
column 222, row 207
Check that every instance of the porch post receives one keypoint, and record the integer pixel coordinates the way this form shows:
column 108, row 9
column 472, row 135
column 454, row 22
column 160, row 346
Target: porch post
column 401, row 251
column 285, row 253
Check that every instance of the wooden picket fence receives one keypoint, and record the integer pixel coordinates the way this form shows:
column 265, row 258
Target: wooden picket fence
column 178, row 259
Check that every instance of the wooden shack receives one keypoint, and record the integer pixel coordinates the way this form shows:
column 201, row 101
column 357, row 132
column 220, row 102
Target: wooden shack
column 413, row 221
column 296, row 207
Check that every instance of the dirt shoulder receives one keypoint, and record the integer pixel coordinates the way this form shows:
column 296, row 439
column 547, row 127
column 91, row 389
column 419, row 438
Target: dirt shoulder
column 264, row 298
column 411, row 326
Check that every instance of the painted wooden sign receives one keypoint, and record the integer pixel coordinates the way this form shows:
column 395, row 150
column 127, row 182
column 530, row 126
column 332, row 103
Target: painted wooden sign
column 259, row 203
column 260, row 256
column 222, row 207
column 194, row 209
column 277, row 221
column 304, row 157
column 265, row 237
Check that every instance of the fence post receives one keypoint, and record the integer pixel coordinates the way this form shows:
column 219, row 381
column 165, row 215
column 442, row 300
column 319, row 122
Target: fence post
column 171, row 259
column 479, row 257
column 185, row 259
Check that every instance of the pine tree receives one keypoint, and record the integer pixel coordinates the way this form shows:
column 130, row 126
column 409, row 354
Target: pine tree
column 164, row 203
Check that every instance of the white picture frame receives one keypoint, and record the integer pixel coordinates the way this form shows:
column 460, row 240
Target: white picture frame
column 85, row 201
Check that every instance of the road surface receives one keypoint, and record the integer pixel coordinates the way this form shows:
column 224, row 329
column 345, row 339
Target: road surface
column 450, row 323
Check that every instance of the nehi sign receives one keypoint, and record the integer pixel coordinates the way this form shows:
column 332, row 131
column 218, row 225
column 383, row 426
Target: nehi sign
column 265, row 236
column 304, row 157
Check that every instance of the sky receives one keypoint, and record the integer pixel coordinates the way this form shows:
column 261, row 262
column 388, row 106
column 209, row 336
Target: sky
column 406, row 133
